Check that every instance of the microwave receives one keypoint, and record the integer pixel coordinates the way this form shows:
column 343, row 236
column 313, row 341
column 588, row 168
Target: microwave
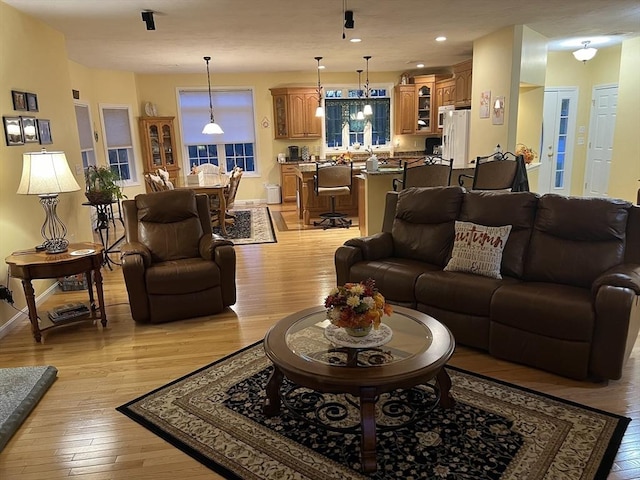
column 442, row 112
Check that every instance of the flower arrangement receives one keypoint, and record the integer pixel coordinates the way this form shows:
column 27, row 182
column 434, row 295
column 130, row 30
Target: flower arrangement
column 528, row 153
column 356, row 305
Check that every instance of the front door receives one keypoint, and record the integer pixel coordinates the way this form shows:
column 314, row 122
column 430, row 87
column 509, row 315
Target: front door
column 558, row 134
column 601, row 128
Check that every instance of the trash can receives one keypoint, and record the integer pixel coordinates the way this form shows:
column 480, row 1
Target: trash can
column 273, row 193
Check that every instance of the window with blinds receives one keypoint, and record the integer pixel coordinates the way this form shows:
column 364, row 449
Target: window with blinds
column 118, row 140
column 85, row 132
column 234, row 112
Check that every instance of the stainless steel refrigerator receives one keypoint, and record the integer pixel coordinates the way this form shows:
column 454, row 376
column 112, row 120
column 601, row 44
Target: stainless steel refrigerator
column 455, row 137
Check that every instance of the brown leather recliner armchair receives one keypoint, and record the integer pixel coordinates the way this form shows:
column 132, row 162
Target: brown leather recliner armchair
column 174, row 268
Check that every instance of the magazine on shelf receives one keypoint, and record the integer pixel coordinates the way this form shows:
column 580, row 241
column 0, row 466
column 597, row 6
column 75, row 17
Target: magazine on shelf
column 68, row 311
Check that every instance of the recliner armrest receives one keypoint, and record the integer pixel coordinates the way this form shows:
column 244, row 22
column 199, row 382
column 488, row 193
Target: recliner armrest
column 625, row 275
column 209, row 243
column 373, row 247
column 136, row 248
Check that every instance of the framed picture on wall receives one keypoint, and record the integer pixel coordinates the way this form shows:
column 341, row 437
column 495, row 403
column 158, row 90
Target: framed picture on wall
column 32, row 102
column 19, row 100
column 44, row 131
column 13, row 131
column 29, row 129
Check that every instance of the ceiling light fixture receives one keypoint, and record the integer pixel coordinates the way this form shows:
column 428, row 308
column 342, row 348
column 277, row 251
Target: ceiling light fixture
column 441, row 38
column 367, row 107
column 420, row 65
column 211, row 128
column 319, row 109
column 360, row 114
column 355, row 40
column 585, row 53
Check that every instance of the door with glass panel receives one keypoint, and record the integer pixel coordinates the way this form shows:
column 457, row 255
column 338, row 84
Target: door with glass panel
column 558, row 137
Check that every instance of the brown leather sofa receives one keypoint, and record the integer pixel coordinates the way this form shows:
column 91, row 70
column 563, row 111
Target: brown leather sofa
column 174, row 268
column 569, row 298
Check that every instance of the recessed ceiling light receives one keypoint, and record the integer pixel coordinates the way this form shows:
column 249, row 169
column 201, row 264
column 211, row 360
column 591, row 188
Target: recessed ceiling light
column 321, row 67
column 355, row 40
column 440, row 39
column 420, row 65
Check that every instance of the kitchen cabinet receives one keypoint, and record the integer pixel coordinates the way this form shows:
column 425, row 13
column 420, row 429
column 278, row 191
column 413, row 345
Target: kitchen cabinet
column 446, row 92
column 416, row 109
column 462, row 74
column 405, row 114
column 157, row 136
column 294, row 111
column 288, row 182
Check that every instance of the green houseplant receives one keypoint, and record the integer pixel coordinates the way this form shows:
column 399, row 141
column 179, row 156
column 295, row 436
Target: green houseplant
column 101, row 185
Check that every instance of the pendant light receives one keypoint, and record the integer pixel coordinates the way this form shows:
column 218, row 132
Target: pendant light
column 360, row 114
column 585, row 53
column 320, row 108
column 211, row 128
column 367, row 108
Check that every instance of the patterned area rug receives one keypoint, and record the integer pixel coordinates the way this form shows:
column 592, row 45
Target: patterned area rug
column 495, row 431
column 20, row 390
column 251, row 225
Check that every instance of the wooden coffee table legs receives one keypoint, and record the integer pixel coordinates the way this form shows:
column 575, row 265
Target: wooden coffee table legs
column 368, row 398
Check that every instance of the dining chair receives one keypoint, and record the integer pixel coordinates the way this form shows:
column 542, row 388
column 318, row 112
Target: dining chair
column 500, row 171
column 432, row 171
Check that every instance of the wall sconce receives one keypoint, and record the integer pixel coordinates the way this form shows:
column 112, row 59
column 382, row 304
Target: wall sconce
column 585, row 53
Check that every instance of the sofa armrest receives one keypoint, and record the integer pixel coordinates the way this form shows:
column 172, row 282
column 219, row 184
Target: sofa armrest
column 136, row 248
column 373, row 247
column 625, row 275
column 224, row 254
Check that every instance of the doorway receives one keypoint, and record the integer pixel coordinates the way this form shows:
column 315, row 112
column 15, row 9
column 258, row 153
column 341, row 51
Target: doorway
column 558, row 137
column 600, row 148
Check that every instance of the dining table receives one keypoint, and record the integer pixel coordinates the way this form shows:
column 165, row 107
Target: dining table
column 212, row 191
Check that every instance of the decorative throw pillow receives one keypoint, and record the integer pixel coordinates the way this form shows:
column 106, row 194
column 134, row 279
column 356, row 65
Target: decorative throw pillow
column 478, row 249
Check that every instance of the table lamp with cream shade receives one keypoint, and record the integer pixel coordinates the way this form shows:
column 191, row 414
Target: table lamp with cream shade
column 47, row 174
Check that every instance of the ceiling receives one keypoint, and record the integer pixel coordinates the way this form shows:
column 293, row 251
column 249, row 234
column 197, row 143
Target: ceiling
column 286, row 35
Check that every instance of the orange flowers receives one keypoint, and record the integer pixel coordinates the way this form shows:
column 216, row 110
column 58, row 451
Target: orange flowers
column 355, row 305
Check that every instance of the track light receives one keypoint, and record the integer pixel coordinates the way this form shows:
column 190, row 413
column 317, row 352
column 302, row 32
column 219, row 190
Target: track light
column 348, row 19
column 147, row 17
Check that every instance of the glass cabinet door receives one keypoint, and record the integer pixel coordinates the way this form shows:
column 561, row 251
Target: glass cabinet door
column 424, row 108
column 167, row 144
column 154, row 141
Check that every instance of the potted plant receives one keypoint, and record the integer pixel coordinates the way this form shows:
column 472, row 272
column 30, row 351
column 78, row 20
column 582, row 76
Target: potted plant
column 101, row 185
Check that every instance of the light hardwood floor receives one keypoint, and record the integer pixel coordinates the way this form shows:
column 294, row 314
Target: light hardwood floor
column 75, row 430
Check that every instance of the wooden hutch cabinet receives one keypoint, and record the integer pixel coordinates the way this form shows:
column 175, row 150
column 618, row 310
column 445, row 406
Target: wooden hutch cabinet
column 294, row 112
column 159, row 146
column 462, row 74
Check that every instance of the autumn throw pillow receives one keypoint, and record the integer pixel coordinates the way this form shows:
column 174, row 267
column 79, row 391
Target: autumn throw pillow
column 478, row 249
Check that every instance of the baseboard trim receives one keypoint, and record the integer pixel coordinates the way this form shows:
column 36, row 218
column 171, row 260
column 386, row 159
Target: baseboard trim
column 12, row 323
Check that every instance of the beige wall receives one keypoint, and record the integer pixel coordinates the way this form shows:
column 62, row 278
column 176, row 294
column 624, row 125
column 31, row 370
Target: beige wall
column 33, row 58
column 624, row 180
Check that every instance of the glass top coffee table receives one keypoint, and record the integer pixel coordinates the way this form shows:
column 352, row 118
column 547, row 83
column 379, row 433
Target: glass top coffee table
column 415, row 353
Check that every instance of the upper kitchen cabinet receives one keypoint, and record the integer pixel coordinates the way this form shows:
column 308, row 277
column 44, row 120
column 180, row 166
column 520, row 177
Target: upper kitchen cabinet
column 158, row 145
column 446, row 92
column 406, row 107
column 416, row 109
column 462, row 74
column 294, row 112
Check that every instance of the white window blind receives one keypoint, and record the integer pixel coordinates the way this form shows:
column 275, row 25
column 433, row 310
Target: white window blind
column 232, row 109
column 116, row 127
column 84, row 127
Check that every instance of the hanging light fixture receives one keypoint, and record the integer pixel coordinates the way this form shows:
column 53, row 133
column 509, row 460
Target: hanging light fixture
column 360, row 114
column 367, row 107
column 585, row 53
column 211, row 128
column 320, row 109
